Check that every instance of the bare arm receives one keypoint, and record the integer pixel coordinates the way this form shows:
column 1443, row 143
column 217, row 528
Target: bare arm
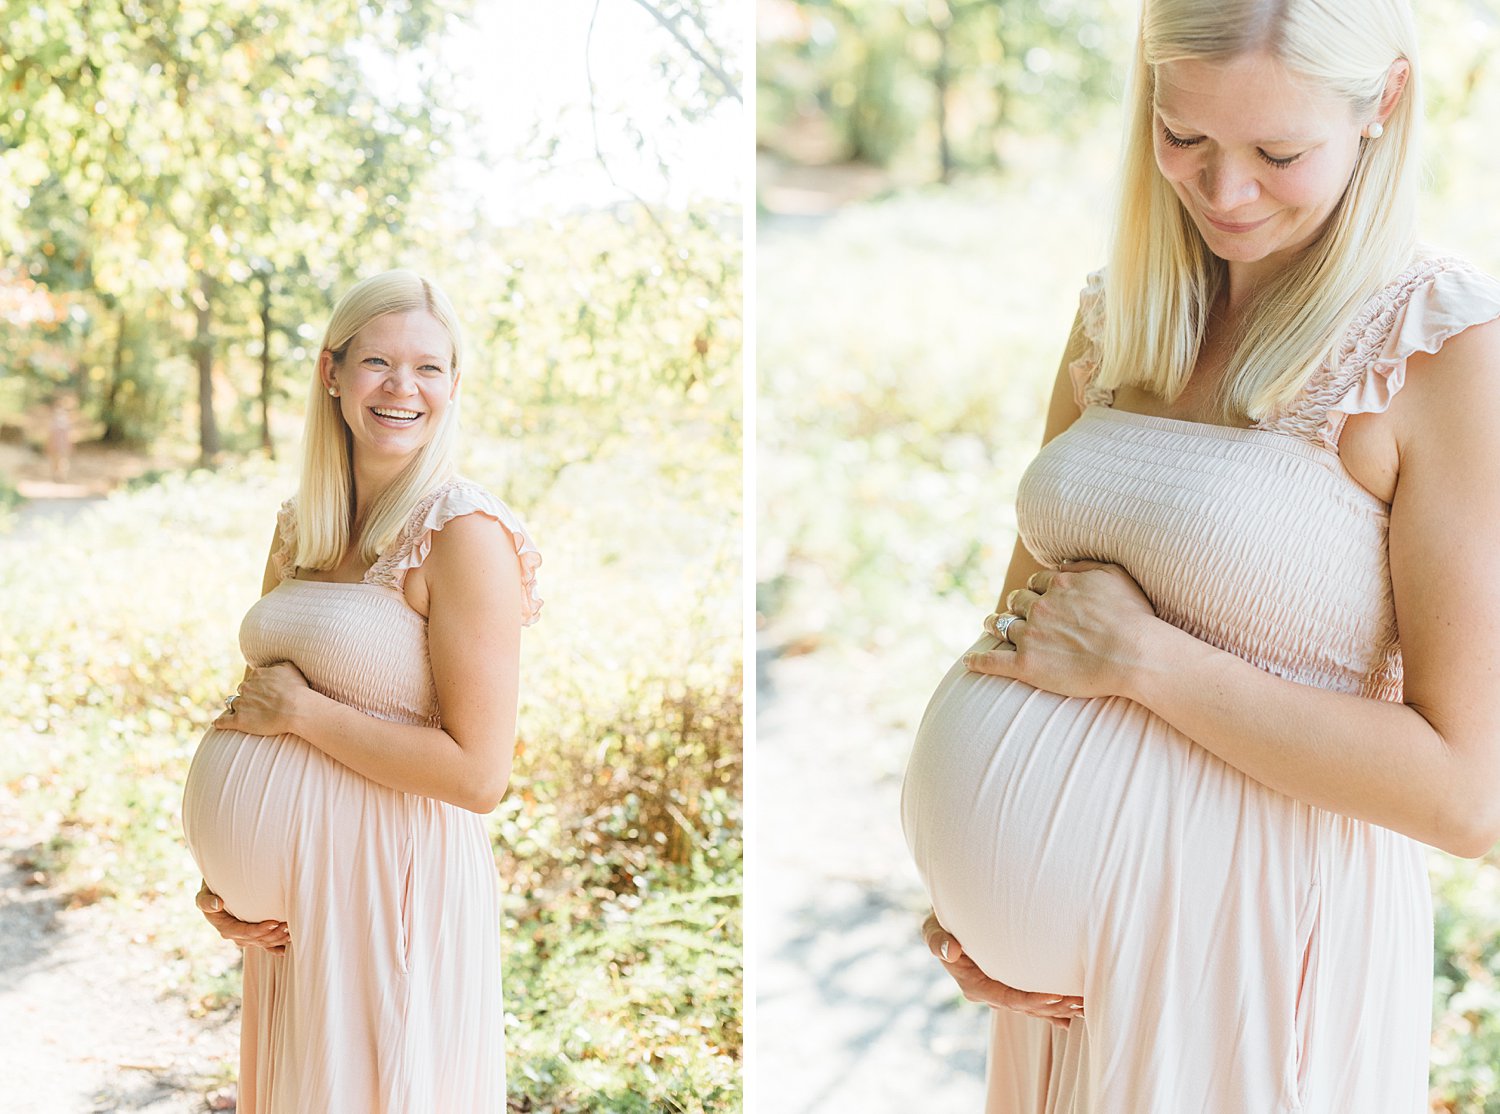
column 1062, row 412
column 1428, row 768
column 474, row 635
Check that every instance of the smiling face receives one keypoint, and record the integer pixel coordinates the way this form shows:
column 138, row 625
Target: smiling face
column 1258, row 157
column 395, row 384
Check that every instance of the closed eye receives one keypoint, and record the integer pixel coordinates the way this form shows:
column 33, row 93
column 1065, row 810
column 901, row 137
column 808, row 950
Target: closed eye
column 1278, row 162
column 1174, row 140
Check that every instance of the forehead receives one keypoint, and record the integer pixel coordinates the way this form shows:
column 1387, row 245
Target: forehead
column 1249, row 96
column 416, row 329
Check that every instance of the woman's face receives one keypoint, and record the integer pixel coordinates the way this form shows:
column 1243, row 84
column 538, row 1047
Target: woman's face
column 1258, row 157
column 395, row 384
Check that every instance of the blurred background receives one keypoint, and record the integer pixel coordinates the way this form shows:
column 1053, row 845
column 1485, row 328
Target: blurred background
column 933, row 182
column 185, row 189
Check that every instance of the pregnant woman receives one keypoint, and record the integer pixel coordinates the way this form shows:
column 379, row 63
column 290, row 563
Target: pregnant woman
column 1170, row 810
column 333, row 808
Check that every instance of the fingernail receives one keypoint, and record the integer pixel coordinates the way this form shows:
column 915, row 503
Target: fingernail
column 214, row 905
column 968, row 661
column 943, row 951
column 1075, row 1005
column 1053, row 1001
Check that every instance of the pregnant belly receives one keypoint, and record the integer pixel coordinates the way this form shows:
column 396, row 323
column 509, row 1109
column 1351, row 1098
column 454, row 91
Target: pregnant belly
column 245, row 808
column 1031, row 815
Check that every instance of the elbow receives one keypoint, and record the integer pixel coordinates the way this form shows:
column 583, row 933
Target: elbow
column 1470, row 828
column 1473, row 840
column 486, row 793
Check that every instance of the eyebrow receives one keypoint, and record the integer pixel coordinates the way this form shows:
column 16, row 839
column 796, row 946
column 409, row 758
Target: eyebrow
column 1293, row 141
column 377, row 350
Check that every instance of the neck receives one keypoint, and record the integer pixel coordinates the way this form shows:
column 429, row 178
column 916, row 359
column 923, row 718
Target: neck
column 1244, row 280
column 371, row 478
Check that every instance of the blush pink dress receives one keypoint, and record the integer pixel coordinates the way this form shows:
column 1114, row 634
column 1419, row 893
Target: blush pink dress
column 387, row 1000
column 1237, row 951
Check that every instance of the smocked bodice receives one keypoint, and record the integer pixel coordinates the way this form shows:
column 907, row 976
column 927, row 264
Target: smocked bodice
column 360, row 644
column 1255, row 540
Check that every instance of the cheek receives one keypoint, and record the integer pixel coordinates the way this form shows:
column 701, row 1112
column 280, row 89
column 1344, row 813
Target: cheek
column 1175, row 164
column 1315, row 186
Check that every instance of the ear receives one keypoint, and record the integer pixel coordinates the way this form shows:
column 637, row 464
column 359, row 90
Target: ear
column 453, row 391
column 1395, row 84
column 325, row 369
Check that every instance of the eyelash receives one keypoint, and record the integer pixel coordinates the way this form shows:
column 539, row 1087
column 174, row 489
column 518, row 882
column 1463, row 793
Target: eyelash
column 424, row 367
column 1178, row 141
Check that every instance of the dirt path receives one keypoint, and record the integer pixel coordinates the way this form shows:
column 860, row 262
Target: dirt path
column 852, row 1014
column 86, row 1025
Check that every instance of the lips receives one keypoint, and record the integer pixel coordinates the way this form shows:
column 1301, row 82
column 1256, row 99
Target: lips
column 1233, row 227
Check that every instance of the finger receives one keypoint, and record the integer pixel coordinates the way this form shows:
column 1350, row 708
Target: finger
column 992, row 623
column 1083, row 565
column 1039, row 1005
column 941, row 942
column 207, row 900
column 999, row 662
column 1021, row 600
column 1040, row 581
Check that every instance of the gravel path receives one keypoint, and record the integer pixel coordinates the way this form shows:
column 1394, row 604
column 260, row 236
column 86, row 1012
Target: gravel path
column 85, row 1026
column 852, row 1014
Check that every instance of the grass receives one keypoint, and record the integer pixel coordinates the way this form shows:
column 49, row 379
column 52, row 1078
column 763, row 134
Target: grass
column 906, row 351
column 618, row 845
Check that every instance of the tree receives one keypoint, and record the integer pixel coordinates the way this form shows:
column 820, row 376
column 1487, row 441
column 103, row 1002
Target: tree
column 215, row 143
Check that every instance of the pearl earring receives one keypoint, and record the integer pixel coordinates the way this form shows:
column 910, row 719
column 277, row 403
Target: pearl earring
column 1375, row 130
column 334, row 391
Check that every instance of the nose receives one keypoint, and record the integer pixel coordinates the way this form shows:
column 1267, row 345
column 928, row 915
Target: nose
column 400, row 379
column 1226, row 183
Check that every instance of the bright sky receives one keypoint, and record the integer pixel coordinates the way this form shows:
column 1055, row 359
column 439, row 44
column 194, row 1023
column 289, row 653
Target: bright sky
column 526, row 67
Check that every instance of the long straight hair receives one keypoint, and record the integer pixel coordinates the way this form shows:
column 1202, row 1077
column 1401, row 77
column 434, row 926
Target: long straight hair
column 1162, row 278
column 325, row 495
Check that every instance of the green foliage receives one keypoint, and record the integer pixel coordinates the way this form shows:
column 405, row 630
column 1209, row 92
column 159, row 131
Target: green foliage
column 1466, row 1015
column 943, row 85
column 231, row 158
column 619, row 841
column 907, row 349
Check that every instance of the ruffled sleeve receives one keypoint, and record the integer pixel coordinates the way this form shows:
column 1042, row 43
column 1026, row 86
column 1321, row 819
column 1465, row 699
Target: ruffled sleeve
column 283, row 560
column 454, row 500
column 1427, row 304
column 1085, row 369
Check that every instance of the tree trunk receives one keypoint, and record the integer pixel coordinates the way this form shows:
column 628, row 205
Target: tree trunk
column 940, row 80
column 265, row 368
column 203, row 355
column 114, row 429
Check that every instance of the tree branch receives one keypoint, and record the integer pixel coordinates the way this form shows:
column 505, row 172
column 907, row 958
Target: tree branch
column 588, row 72
column 724, row 79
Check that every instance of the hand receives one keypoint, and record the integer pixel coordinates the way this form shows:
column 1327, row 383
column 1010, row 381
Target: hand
column 979, row 987
column 1082, row 632
column 271, row 935
column 267, row 701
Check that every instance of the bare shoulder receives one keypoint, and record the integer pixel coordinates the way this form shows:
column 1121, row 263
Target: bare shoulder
column 472, row 550
column 1452, row 393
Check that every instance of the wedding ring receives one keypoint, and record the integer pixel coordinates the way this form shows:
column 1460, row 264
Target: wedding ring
column 229, row 704
column 1003, row 624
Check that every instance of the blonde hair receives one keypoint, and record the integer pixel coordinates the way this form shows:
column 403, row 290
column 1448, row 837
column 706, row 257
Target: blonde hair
column 325, row 495
column 1162, row 278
